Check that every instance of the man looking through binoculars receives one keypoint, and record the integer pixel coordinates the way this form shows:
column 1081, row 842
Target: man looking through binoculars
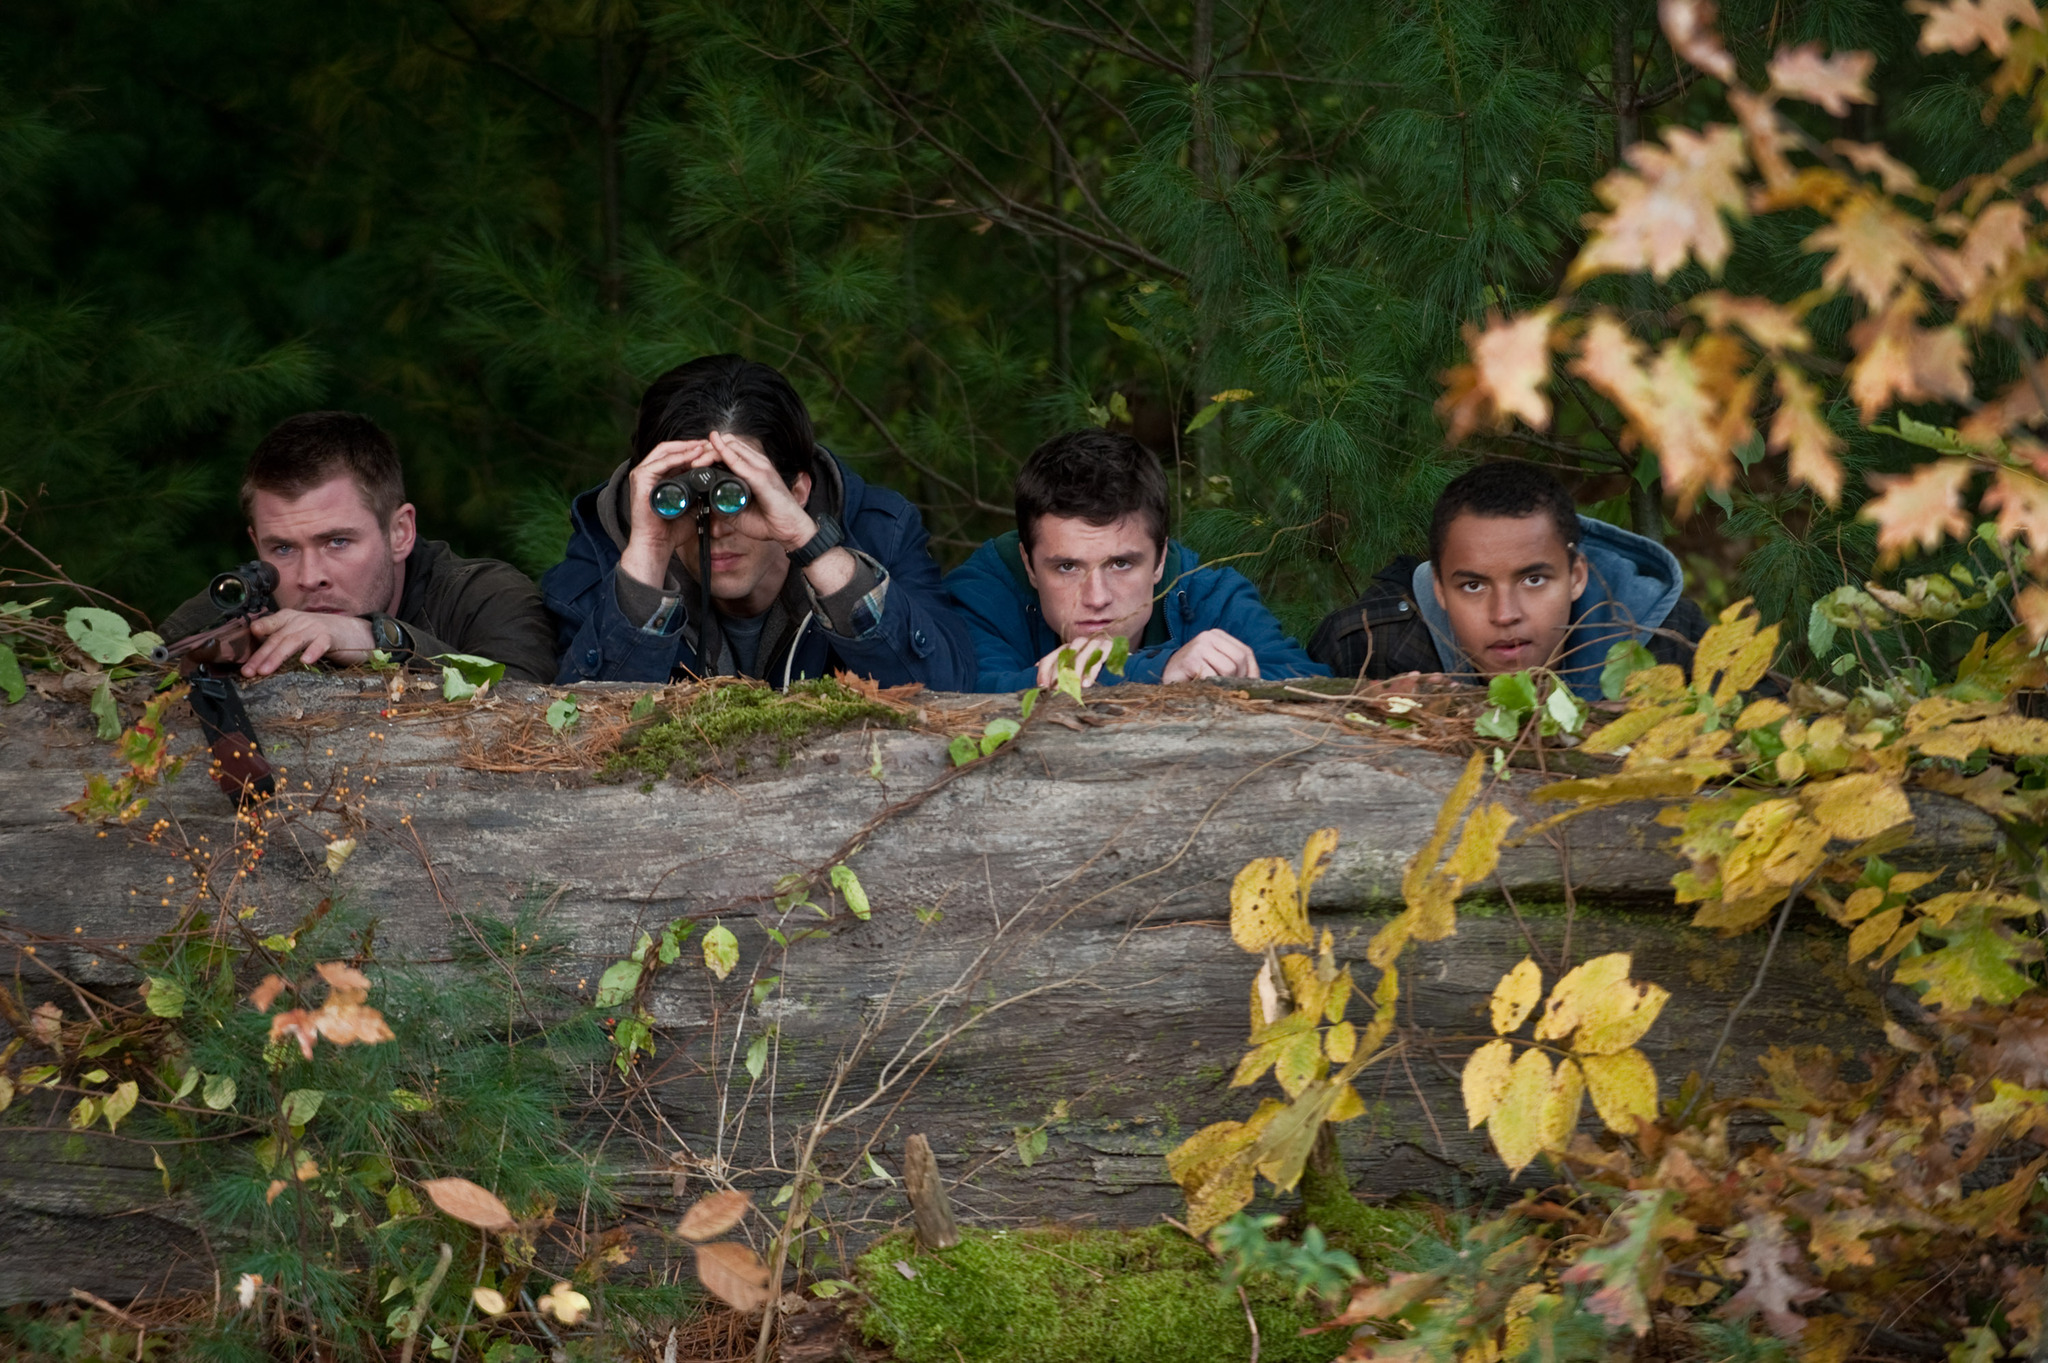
column 808, row 568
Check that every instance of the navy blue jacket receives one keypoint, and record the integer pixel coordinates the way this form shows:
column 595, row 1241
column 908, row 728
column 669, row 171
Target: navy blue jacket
column 1010, row 633
column 915, row 636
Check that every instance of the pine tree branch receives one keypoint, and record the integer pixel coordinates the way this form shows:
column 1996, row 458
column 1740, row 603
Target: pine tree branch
column 1019, row 209
column 485, row 57
column 1131, row 46
column 1061, row 150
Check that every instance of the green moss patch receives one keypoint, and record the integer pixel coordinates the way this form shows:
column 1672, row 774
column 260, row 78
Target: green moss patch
column 1375, row 1236
column 732, row 725
column 1061, row 1296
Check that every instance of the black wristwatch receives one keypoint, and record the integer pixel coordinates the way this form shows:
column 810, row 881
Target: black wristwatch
column 388, row 634
column 829, row 537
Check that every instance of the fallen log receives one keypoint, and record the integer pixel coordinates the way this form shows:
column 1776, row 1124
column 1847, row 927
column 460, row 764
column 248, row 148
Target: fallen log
column 1045, row 985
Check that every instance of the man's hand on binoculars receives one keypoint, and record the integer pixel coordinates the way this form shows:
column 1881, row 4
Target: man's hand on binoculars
column 775, row 513
column 650, row 540
column 310, row 636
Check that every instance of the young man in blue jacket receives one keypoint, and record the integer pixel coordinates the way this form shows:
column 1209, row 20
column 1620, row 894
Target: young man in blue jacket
column 819, row 572
column 1515, row 579
column 1089, row 561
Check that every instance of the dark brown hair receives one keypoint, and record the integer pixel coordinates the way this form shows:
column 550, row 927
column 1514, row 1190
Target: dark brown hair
column 1503, row 489
column 1092, row 475
column 733, row 394
column 304, row 451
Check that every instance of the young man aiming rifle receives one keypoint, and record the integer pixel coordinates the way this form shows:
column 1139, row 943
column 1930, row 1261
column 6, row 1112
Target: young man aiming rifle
column 325, row 502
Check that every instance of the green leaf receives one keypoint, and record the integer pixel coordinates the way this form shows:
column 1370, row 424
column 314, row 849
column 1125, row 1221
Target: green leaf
column 997, row 733
column 1119, row 654
column 1513, row 691
column 1624, row 660
column 849, row 887
column 641, row 948
column 104, row 710
column 1030, row 1145
column 963, row 749
column 405, row 1100
column 101, row 635
column 1930, row 437
column 831, row 1287
column 763, row 988
column 642, row 707
column 618, row 982
column 85, row 1113
column 1820, row 631
column 1203, row 418
column 876, row 1170
column 721, row 950
column 1977, row 963
column 672, row 938
column 1129, row 334
column 478, row 672
column 1499, row 724
column 186, row 1084
column 302, row 1105
column 757, row 1056
column 11, row 684
column 563, row 714
column 1565, row 710
column 219, row 1093
column 166, row 997
column 1118, row 407
column 1027, row 701
column 632, row 1036
column 1068, row 670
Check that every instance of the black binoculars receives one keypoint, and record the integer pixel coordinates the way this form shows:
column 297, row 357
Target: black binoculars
column 245, row 590
column 714, row 488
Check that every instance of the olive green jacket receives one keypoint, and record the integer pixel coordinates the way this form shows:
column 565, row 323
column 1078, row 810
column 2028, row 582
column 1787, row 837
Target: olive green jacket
column 450, row 605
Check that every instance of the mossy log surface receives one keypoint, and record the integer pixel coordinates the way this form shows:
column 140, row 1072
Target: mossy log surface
column 1090, row 864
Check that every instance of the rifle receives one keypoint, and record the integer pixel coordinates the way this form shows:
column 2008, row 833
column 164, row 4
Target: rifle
column 209, row 661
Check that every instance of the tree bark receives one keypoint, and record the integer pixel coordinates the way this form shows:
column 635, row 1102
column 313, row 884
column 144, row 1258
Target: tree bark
column 928, row 1205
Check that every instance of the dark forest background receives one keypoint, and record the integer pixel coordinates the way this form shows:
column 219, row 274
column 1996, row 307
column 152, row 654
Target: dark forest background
column 958, row 225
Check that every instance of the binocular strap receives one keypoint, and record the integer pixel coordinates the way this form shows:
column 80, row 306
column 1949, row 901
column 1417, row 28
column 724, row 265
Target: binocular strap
column 239, row 767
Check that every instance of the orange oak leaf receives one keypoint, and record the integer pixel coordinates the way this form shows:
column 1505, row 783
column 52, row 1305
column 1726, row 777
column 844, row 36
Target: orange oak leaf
column 1769, row 139
column 470, row 1203
column 1995, row 239
column 298, row 1024
column 1833, row 82
column 1919, row 508
column 1510, row 364
column 265, row 994
column 1771, row 325
column 1874, row 246
column 2031, row 605
column 2018, row 405
column 1766, row 1261
column 1669, row 207
column 1896, row 176
column 2021, row 501
column 1689, row 25
column 1960, row 25
column 1895, row 357
column 1800, row 432
column 1689, row 403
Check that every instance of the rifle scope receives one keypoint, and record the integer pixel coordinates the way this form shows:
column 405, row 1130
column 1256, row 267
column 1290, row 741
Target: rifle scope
column 691, row 490
column 244, row 588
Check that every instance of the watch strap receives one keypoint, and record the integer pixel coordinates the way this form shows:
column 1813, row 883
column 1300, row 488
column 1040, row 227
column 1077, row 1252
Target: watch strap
column 831, row 534
column 388, row 634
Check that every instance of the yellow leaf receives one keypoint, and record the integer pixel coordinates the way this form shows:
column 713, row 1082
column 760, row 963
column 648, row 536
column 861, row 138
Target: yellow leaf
column 1516, row 1123
column 1624, row 1088
column 1340, row 993
column 1905, row 882
column 1485, row 1079
column 1683, row 777
column 1340, row 1042
column 1384, row 996
column 1479, row 846
column 1422, row 866
column 1561, row 1105
column 1299, row 1062
column 1759, row 713
column 1617, row 1018
column 1874, row 932
column 338, row 853
column 1733, row 916
column 1516, row 996
column 1315, row 857
column 1265, row 907
column 1857, row 806
column 1862, row 903
column 1581, row 986
column 1625, row 731
column 1347, row 1106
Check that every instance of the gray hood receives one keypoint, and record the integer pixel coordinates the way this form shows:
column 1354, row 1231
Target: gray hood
column 1632, row 584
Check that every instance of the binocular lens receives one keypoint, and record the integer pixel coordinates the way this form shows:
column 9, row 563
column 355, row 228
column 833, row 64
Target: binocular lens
column 730, row 497
column 669, row 499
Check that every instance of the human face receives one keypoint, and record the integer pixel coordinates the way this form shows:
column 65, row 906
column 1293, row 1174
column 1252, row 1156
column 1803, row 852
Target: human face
column 748, row 567
column 1508, row 584
column 1094, row 579
column 331, row 555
